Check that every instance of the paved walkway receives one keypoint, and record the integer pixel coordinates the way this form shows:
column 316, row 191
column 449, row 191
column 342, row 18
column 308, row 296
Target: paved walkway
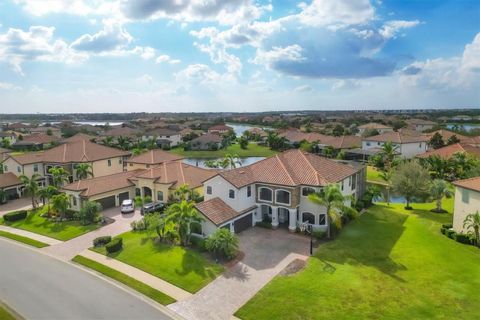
column 14, row 205
column 267, row 252
column 154, row 282
column 31, row 235
column 69, row 249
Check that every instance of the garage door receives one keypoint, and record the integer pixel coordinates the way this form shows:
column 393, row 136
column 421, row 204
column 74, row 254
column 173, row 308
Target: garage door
column 107, row 202
column 243, row 223
column 11, row 194
column 123, row 196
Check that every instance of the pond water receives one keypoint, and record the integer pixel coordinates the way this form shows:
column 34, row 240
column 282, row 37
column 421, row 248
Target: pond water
column 239, row 129
column 201, row 162
column 394, row 198
column 467, row 126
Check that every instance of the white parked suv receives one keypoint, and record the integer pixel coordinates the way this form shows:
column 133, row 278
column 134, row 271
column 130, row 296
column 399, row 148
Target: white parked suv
column 127, row 206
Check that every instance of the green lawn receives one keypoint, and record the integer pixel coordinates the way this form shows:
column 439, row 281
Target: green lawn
column 5, row 315
column 373, row 175
column 58, row 230
column 16, row 237
column 253, row 150
column 389, row 264
column 141, row 287
column 182, row 267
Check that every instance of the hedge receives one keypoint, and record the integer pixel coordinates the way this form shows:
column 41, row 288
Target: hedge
column 450, row 233
column 101, row 241
column 114, row 246
column 15, row 216
column 462, row 238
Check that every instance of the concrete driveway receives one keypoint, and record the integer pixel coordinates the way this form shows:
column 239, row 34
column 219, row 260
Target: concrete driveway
column 14, row 205
column 267, row 252
column 69, row 249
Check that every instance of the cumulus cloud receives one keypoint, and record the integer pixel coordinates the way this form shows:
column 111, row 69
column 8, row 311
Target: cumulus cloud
column 112, row 37
column 9, row 86
column 279, row 55
column 337, row 12
column 391, row 28
column 304, row 88
column 164, row 58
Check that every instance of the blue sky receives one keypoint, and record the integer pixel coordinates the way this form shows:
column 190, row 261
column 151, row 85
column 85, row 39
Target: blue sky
column 237, row 55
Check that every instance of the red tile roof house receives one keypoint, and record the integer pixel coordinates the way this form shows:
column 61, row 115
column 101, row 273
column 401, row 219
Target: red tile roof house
column 164, row 137
column 11, row 184
column 276, row 189
column 448, row 151
column 219, row 129
column 408, row 146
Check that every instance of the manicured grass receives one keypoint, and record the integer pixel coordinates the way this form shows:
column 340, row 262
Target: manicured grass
column 253, row 150
column 5, row 315
column 389, row 264
column 58, row 230
column 16, row 237
column 182, row 267
column 141, row 287
column 373, row 175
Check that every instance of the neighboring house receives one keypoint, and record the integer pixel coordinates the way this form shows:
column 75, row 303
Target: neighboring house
column 164, row 137
column 17, row 126
column 36, row 141
column 150, row 159
column 448, row 151
column 8, row 135
column 447, row 134
column 26, row 164
column 467, row 200
column 11, row 184
column 276, row 189
column 407, row 146
column 45, row 130
column 295, row 136
column 207, row 141
column 122, row 131
column 420, row 124
column 79, row 137
column 381, row 128
column 159, row 183
column 4, row 153
column 220, row 129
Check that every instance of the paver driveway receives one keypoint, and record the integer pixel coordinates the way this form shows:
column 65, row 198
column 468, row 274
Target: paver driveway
column 69, row 249
column 267, row 252
column 14, row 205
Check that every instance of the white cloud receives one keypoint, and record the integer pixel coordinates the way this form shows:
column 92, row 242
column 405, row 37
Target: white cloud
column 346, row 84
column 9, row 86
column 165, row 58
column 112, row 37
column 145, row 53
column 304, row 88
column 336, row 12
column 288, row 53
column 40, row 8
column 471, row 55
column 391, row 28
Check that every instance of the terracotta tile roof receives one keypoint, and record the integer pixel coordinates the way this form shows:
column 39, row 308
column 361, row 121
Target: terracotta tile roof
column 208, row 137
column 121, row 131
column 9, row 179
column 217, row 211
column 290, row 168
column 472, row 183
column 374, row 125
column 162, row 132
column 153, row 157
column 342, row 142
column 27, row 158
column 40, row 138
column 177, row 173
column 79, row 137
column 220, row 127
column 81, row 151
column 448, row 151
column 98, row 185
column 446, row 134
column 397, row 137
column 298, row 136
column 4, row 150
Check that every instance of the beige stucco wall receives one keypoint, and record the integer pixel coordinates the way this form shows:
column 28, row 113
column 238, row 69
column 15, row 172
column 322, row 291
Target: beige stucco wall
column 101, row 168
column 131, row 191
column 28, row 169
column 462, row 209
column 136, row 166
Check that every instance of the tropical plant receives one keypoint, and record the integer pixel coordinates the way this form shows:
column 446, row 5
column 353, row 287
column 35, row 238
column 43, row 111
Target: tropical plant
column 438, row 167
column 124, row 142
column 89, row 212
column 47, row 193
column 31, row 187
column 411, row 180
column 138, row 201
column 183, row 214
column 243, row 142
column 452, row 140
column 137, row 151
column 6, row 143
column 388, row 153
column 183, row 192
column 329, row 152
column 387, row 177
column 472, row 224
column 230, row 161
column 59, row 176
column 108, row 141
column 436, row 141
column 332, row 198
column 211, row 164
column 61, row 203
column 164, row 228
column 223, row 242
column 460, row 164
column 438, row 190
column 83, row 171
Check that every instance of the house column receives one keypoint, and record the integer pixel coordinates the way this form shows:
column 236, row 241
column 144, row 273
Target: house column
column 274, row 217
column 292, row 225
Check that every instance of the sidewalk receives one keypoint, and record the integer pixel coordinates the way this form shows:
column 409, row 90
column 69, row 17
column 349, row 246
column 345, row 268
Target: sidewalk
column 31, row 235
column 154, row 282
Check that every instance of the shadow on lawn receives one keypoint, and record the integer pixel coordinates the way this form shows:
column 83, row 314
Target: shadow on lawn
column 191, row 263
column 368, row 241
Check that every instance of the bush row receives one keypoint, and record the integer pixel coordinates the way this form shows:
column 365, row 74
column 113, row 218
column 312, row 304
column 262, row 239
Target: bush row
column 446, row 229
column 101, row 241
column 15, row 216
column 114, row 245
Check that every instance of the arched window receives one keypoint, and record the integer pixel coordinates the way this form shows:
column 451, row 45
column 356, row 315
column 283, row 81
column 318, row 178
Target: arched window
column 231, row 194
column 306, row 191
column 209, row 189
column 308, row 217
column 282, row 196
column 265, row 194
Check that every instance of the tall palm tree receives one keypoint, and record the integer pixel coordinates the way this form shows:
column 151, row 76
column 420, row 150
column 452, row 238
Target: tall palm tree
column 388, row 152
column 332, row 198
column 31, row 187
column 438, row 190
column 183, row 214
column 183, row 192
column 108, row 141
column 124, row 142
column 387, row 177
column 47, row 193
column 472, row 221
column 83, row 171
column 231, row 161
column 59, row 175
column 61, row 203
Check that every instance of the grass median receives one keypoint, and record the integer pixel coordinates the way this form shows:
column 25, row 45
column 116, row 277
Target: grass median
column 22, row 239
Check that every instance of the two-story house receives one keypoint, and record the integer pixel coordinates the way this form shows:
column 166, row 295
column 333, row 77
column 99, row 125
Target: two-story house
column 406, row 145
column 164, row 137
column 276, row 189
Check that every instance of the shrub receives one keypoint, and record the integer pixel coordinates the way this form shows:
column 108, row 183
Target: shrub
column 114, row 245
column 222, row 242
column 198, row 242
column 264, row 224
column 138, row 225
column 101, row 241
column 359, row 205
column 447, row 226
column 462, row 238
column 70, row 214
column 319, row 234
column 450, row 233
column 443, row 230
column 15, row 216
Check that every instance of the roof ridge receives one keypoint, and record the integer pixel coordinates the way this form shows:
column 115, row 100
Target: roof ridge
column 311, row 166
column 284, row 168
column 182, row 173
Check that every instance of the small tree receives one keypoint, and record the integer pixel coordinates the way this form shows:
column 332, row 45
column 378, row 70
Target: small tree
column 89, row 212
column 472, row 224
column 59, row 175
column 243, row 142
column 183, row 214
column 437, row 141
column 438, row 190
column 387, row 177
column 83, row 171
column 222, row 242
column 61, row 203
column 332, row 198
column 31, row 187
column 452, row 140
column 411, row 180
column 47, row 193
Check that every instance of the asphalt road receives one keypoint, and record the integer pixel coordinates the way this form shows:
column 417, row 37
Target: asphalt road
column 41, row 287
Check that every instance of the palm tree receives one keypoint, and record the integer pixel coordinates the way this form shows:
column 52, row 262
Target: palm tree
column 460, row 164
column 438, row 190
column 388, row 152
column 83, row 171
column 329, row 152
column 332, row 198
column 387, row 176
column 183, row 214
column 47, row 193
column 31, row 187
column 137, row 151
column 437, row 166
column 183, row 192
column 108, row 141
column 61, row 203
column 472, row 221
column 231, row 161
column 59, row 176
column 124, row 142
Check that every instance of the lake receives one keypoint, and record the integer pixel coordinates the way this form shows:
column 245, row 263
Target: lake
column 394, row 198
column 201, row 162
column 467, row 126
column 239, row 129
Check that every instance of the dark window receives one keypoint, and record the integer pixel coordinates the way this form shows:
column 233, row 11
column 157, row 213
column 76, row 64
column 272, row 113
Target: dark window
column 322, row 219
column 308, row 217
column 354, row 182
column 283, row 196
column 74, row 200
column 119, row 161
column 342, row 185
column 160, row 196
column 231, row 194
column 35, row 168
column 109, row 162
column 19, row 169
column 306, row 191
column 209, row 190
column 266, row 194
column 249, row 191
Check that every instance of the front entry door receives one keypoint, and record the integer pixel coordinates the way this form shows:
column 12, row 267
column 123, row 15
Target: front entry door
column 283, row 215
